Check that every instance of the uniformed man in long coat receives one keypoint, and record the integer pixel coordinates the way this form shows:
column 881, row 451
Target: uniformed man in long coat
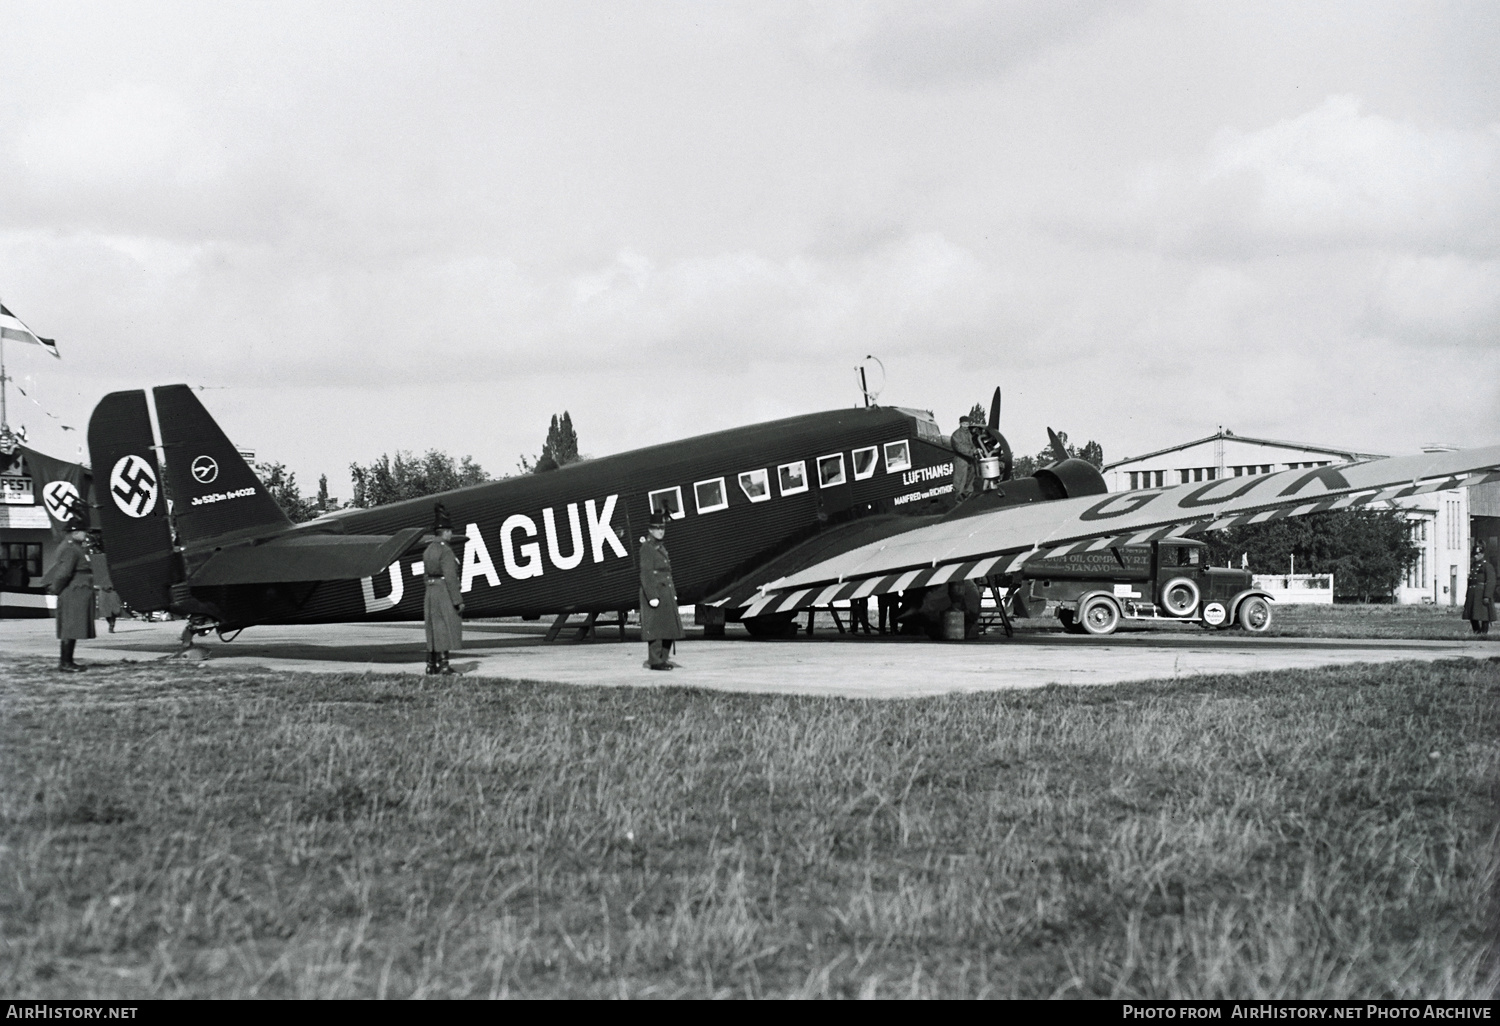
column 661, row 624
column 109, row 606
column 444, row 601
column 71, row 579
column 1479, row 603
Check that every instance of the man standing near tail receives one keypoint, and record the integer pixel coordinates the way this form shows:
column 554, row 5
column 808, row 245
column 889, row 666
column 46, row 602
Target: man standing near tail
column 444, row 602
column 661, row 625
column 109, row 606
column 71, row 579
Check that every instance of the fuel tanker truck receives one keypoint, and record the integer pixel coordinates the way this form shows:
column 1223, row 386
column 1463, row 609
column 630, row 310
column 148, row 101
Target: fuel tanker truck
column 1092, row 592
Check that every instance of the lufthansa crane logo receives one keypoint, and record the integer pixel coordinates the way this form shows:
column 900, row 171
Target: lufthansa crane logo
column 205, row 470
column 61, row 500
column 133, row 485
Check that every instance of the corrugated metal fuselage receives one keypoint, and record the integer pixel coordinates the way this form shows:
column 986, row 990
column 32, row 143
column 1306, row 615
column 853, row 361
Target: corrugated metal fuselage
column 567, row 541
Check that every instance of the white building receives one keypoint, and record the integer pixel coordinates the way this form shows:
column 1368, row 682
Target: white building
column 1439, row 520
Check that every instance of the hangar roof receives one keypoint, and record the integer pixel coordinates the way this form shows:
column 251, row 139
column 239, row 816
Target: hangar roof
column 1348, row 455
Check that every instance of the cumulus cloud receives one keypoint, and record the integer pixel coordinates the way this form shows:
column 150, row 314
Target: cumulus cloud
column 1331, row 177
column 948, row 41
column 1437, row 300
column 117, row 140
column 684, row 218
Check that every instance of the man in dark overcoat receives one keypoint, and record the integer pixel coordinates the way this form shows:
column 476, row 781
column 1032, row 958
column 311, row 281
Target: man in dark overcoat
column 661, row 624
column 109, row 606
column 1479, row 602
column 71, row 579
column 444, row 601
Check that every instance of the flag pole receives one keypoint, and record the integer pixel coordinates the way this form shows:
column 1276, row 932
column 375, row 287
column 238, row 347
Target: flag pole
column 4, row 385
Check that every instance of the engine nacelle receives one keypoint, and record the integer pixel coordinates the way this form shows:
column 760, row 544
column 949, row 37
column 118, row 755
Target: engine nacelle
column 1070, row 479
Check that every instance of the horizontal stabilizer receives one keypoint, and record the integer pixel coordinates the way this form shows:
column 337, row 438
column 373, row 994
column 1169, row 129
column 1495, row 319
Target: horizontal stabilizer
column 297, row 557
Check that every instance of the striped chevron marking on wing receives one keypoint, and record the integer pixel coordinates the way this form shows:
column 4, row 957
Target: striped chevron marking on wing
column 1003, row 540
column 784, row 602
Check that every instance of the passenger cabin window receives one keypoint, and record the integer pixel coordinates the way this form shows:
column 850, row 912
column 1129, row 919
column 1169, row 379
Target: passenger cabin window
column 669, row 499
column 897, row 457
column 864, row 463
column 710, row 495
column 831, row 470
column 792, row 477
column 756, row 484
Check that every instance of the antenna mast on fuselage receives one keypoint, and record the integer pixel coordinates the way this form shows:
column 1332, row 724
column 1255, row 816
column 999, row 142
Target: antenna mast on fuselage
column 864, row 387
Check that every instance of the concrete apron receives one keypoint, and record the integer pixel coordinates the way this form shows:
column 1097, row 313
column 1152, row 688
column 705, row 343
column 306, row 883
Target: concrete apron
column 867, row 667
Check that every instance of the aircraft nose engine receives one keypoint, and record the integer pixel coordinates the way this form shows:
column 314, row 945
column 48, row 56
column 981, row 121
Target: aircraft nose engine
column 995, row 459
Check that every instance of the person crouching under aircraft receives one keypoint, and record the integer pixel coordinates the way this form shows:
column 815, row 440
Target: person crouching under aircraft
column 444, row 601
column 661, row 624
column 71, row 579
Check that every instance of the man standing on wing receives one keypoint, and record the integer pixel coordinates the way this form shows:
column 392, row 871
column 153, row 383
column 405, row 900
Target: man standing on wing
column 71, row 579
column 444, row 601
column 661, row 625
column 964, row 455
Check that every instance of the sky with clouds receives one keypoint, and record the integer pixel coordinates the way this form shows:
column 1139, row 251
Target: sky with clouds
column 368, row 226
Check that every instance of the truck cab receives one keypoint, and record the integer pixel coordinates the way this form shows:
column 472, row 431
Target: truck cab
column 1092, row 592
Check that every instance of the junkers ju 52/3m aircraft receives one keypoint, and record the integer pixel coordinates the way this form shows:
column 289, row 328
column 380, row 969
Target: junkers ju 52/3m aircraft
column 769, row 520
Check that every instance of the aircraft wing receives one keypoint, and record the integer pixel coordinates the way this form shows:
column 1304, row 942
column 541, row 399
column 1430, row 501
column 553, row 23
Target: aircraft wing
column 1002, row 539
column 819, row 548
column 297, row 557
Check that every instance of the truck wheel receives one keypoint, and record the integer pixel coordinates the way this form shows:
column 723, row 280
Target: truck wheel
column 1099, row 615
column 1179, row 596
column 1069, row 621
column 1255, row 615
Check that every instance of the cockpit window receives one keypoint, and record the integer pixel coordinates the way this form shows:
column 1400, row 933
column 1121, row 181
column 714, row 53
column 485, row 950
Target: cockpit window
column 669, row 499
column 1187, row 555
column 897, row 456
column 864, row 463
column 831, row 470
column 792, row 477
column 710, row 495
column 756, row 484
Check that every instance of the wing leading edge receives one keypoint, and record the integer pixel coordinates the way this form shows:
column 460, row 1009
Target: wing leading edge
column 1004, row 539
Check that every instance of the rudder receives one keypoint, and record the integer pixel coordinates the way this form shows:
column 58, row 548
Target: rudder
column 132, row 505
column 215, row 494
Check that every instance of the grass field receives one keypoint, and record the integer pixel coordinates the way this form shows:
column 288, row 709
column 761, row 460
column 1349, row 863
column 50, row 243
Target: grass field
column 180, row 830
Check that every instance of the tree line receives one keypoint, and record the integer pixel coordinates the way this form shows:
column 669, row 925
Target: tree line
column 393, row 477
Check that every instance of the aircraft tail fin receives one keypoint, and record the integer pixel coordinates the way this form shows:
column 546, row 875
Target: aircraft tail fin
column 215, row 494
column 131, row 503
